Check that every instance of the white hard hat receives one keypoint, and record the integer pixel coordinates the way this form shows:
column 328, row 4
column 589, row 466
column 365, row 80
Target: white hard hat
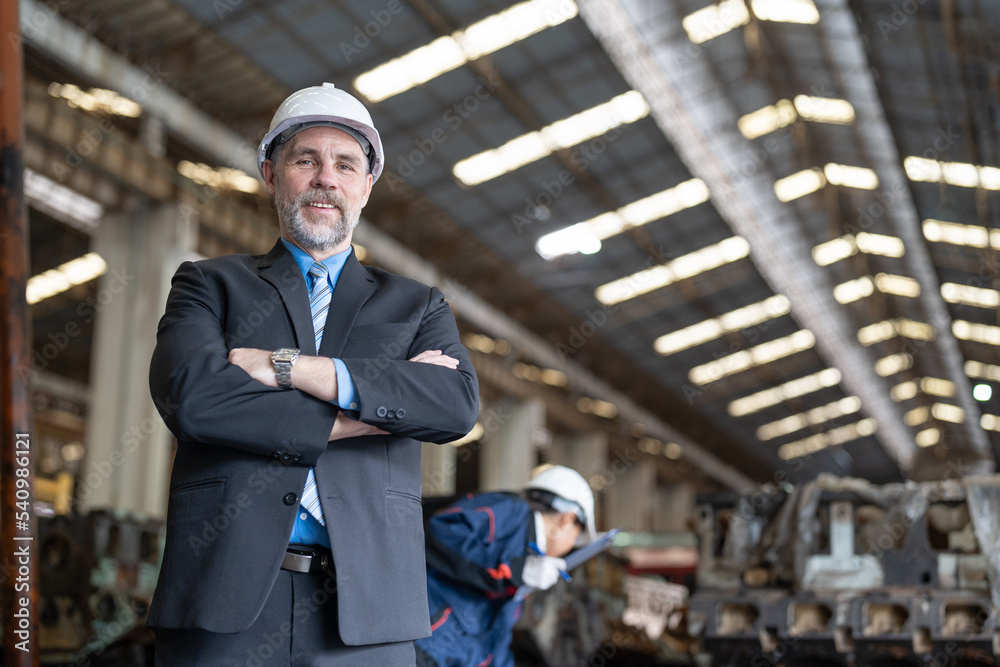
column 323, row 105
column 564, row 490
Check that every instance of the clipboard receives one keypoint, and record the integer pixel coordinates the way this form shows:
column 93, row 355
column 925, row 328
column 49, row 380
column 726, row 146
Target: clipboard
column 577, row 558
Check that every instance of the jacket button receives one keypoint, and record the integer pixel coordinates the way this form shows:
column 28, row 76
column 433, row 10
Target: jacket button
column 390, row 414
column 286, row 457
column 381, row 412
column 289, row 498
column 400, row 413
column 297, row 458
column 276, row 454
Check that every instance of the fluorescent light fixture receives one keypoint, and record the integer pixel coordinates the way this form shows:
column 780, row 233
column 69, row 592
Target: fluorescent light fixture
column 597, row 407
column 672, row 450
column 904, row 391
column 946, row 412
column 880, row 244
column 799, row 184
column 833, row 251
column 218, row 177
column 852, row 290
column 850, row 177
column 783, row 113
column 786, row 11
column 928, row 437
column 741, row 318
column 718, row 19
column 61, row 202
column 585, row 237
column 917, row 416
column 862, row 287
column 977, row 369
column 928, row 385
column 514, row 154
column 527, row 148
column 974, row 236
column 759, row 355
column 888, row 283
column 824, row 109
column 820, row 441
column 56, row 281
column 685, row 266
column 990, row 422
column 714, row 20
column 970, row 296
column 937, row 387
column 876, row 333
column 882, row 331
column 96, row 99
column 446, row 53
column 814, row 417
column 979, row 333
column 767, row 120
column 807, row 384
column 961, row 174
column 982, row 392
column 894, row 363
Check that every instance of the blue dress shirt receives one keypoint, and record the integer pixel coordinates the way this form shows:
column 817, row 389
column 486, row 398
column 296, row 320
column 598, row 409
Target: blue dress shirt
column 307, row 529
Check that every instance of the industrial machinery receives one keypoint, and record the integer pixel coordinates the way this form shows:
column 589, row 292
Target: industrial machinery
column 97, row 574
column 843, row 572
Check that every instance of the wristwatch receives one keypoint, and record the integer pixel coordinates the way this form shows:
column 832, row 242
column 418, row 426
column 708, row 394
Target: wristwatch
column 283, row 361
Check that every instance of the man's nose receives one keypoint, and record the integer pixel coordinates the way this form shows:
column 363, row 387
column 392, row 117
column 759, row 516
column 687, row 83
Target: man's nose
column 325, row 177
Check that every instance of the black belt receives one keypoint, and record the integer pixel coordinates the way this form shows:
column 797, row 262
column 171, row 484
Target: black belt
column 306, row 559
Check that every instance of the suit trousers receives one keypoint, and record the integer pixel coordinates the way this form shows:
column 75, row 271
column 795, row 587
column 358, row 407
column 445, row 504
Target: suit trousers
column 296, row 628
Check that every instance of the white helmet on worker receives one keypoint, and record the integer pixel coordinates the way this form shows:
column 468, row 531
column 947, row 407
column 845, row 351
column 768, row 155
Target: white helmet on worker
column 564, row 490
column 323, row 105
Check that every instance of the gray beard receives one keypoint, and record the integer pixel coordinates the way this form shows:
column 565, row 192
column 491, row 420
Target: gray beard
column 290, row 214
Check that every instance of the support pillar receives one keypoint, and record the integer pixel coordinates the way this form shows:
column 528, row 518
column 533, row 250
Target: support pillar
column 628, row 495
column 586, row 453
column 437, row 469
column 128, row 446
column 674, row 508
column 507, row 458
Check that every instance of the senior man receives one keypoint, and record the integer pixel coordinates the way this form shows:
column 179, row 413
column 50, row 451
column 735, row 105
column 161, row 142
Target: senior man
column 299, row 385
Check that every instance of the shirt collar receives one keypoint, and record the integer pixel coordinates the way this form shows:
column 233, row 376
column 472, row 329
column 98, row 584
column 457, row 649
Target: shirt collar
column 334, row 264
column 540, row 531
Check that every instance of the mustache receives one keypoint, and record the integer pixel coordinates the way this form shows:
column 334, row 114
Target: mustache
column 320, row 197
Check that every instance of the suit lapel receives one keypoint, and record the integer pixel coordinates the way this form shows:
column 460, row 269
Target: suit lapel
column 278, row 267
column 354, row 288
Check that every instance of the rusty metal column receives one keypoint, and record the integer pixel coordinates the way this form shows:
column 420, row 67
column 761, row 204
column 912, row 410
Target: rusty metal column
column 18, row 581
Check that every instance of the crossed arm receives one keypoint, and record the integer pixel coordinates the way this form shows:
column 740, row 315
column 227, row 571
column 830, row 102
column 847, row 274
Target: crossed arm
column 317, row 376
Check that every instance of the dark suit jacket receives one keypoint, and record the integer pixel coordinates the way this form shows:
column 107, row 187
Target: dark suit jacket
column 244, row 448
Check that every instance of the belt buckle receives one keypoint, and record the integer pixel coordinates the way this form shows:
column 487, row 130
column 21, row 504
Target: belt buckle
column 297, row 559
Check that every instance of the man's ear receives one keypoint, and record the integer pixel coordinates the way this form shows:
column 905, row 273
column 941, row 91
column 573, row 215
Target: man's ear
column 269, row 176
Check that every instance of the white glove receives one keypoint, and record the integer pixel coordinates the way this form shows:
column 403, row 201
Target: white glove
column 542, row 572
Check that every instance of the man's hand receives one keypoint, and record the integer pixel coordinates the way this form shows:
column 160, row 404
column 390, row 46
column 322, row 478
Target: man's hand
column 345, row 427
column 257, row 363
column 435, row 357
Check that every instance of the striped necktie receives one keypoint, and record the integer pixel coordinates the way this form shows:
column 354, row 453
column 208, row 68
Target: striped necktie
column 319, row 304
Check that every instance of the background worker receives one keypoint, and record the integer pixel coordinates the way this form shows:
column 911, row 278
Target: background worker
column 482, row 548
column 308, row 421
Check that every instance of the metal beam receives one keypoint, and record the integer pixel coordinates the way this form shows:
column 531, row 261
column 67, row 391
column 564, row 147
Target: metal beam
column 18, row 547
column 683, row 94
column 395, row 257
column 44, row 29
column 846, row 52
